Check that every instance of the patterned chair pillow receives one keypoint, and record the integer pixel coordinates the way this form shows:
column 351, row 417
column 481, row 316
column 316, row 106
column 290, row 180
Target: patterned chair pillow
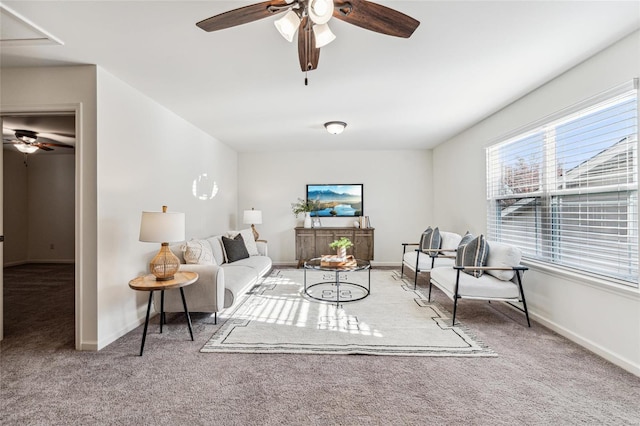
column 466, row 239
column 474, row 253
column 430, row 240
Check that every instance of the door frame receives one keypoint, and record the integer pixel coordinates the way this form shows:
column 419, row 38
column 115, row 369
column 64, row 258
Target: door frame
column 76, row 109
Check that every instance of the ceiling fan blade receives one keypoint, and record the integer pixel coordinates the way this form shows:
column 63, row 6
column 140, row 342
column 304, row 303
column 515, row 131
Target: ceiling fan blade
column 375, row 17
column 308, row 54
column 43, row 146
column 57, row 145
column 243, row 15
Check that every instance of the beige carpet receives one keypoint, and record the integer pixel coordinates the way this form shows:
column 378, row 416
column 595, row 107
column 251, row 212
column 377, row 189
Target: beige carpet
column 278, row 317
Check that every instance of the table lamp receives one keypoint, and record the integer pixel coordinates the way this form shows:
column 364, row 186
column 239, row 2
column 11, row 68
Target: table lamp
column 163, row 227
column 253, row 217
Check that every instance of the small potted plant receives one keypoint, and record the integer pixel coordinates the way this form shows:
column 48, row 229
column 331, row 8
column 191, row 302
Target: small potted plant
column 341, row 246
column 306, row 207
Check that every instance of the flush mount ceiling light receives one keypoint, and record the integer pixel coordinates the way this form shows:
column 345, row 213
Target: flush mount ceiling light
column 335, row 127
column 310, row 17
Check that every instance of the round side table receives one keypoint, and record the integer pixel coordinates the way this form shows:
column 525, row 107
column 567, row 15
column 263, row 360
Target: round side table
column 149, row 283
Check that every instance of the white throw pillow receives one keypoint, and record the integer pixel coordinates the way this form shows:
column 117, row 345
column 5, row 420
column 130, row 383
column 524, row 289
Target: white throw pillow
column 198, row 252
column 503, row 255
column 249, row 241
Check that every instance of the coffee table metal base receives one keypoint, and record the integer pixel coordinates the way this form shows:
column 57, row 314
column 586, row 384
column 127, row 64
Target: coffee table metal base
column 333, row 295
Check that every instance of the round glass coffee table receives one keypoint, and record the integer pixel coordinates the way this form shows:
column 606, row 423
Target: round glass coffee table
column 335, row 288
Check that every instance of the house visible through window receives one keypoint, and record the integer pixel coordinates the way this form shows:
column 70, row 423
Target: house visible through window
column 566, row 190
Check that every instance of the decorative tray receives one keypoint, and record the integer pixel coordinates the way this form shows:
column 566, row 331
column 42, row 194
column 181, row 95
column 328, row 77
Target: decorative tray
column 335, row 261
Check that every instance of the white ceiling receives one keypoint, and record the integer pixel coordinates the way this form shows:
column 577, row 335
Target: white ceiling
column 244, row 86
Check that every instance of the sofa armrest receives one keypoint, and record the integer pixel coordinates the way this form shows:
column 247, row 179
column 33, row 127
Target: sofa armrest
column 263, row 249
column 208, row 290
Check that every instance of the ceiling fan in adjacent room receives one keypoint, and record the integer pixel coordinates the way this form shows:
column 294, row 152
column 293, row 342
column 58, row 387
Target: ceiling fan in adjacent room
column 311, row 17
column 28, row 142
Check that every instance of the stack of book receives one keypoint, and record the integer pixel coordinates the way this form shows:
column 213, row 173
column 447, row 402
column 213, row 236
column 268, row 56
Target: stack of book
column 335, row 261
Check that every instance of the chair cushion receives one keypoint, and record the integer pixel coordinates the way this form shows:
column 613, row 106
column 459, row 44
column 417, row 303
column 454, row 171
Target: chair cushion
column 235, row 248
column 198, row 252
column 487, row 286
column 503, row 255
column 424, row 261
column 430, row 239
column 473, row 253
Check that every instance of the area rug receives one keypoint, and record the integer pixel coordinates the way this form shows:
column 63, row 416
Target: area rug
column 277, row 316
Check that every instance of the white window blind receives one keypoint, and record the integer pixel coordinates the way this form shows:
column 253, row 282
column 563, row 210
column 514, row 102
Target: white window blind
column 566, row 189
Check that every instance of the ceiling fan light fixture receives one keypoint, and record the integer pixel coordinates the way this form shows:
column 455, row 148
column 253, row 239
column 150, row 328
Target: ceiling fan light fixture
column 287, row 25
column 323, row 35
column 335, row 127
column 25, row 148
column 26, row 136
column 320, row 11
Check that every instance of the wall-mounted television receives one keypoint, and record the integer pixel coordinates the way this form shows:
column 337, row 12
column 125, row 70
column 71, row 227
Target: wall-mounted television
column 336, row 200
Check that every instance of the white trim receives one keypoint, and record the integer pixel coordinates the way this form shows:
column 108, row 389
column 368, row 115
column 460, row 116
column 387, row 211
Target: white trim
column 73, row 108
column 621, row 362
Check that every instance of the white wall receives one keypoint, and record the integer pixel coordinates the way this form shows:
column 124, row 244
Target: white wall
column 51, row 207
column 600, row 317
column 15, row 208
column 64, row 89
column 148, row 157
column 40, row 212
column 397, row 194
column 144, row 156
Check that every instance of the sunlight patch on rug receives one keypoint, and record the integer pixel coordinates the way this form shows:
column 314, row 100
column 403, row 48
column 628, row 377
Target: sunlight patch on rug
column 277, row 317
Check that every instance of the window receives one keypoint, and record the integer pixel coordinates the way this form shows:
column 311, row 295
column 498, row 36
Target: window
column 565, row 190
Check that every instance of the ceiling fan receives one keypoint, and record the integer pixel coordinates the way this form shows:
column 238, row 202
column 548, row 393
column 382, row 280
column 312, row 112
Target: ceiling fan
column 310, row 17
column 27, row 142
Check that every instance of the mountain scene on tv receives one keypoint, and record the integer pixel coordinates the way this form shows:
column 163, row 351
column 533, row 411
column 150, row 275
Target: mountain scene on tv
column 336, row 200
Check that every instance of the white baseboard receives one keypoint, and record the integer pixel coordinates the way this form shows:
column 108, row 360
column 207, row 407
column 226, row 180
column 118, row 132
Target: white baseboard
column 122, row 331
column 621, row 362
column 88, row 346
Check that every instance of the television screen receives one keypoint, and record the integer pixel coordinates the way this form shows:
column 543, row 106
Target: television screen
column 336, row 200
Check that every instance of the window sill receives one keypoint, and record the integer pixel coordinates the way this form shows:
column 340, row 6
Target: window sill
column 611, row 286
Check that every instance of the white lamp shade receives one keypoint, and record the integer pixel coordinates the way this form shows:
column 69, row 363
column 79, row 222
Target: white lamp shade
column 320, row 11
column 253, row 217
column 159, row 227
column 27, row 149
column 323, row 35
column 288, row 24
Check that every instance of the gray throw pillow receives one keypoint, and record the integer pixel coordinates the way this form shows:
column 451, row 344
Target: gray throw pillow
column 468, row 237
column 235, row 248
column 474, row 253
column 430, row 240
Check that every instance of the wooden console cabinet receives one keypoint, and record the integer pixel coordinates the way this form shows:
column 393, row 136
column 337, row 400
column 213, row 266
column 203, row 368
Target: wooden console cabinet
column 314, row 242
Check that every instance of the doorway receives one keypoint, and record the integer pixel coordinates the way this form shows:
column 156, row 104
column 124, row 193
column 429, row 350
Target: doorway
column 39, row 198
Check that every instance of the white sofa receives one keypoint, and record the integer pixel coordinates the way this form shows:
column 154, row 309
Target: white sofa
column 501, row 279
column 219, row 285
column 419, row 261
